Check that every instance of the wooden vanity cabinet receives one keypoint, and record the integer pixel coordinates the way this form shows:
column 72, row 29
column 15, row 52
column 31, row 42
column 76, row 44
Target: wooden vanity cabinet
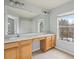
column 18, row 50
column 11, row 51
column 26, row 49
column 47, row 43
column 23, row 49
column 53, row 41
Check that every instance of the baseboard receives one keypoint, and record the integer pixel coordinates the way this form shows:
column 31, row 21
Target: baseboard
column 65, row 51
column 35, row 49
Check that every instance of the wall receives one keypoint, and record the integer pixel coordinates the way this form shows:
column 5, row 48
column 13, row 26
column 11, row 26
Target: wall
column 56, row 11
column 31, row 25
column 15, row 17
column 62, row 45
column 65, row 46
column 46, row 28
column 46, row 23
column 27, row 6
column 25, row 25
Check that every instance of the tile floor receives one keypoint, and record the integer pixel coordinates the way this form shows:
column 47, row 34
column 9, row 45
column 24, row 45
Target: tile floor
column 51, row 54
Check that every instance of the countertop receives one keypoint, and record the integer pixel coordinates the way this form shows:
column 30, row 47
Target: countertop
column 26, row 37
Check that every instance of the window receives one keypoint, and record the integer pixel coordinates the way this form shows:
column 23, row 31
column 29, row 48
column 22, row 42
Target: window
column 66, row 27
column 10, row 26
column 41, row 25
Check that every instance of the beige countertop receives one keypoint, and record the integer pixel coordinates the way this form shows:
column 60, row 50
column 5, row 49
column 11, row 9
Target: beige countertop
column 25, row 37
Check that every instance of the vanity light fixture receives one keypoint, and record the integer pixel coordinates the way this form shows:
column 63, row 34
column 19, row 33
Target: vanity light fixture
column 16, row 3
column 45, row 11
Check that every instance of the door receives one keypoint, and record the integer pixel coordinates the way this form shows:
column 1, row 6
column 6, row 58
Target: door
column 48, row 42
column 26, row 49
column 45, row 44
column 10, row 26
column 53, row 41
column 11, row 51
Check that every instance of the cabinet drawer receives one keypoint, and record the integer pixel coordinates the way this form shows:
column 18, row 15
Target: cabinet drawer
column 26, row 42
column 48, row 37
column 10, row 45
column 54, row 36
column 48, row 40
column 38, row 39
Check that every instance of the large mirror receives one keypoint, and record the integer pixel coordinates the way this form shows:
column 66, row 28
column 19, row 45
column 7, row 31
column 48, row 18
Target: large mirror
column 23, row 21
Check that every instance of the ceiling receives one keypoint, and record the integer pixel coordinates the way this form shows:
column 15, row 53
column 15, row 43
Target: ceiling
column 44, row 4
column 21, row 12
column 48, row 4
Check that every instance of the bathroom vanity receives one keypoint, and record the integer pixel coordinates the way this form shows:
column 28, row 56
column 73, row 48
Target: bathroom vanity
column 21, row 47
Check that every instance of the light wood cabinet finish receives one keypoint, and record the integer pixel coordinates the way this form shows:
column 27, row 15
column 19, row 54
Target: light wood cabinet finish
column 11, row 51
column 38, row 39
column 48, row 43
column 43, row 45
column 23, row 49
column 53, row 42
column 26, row 49
column 18, row 50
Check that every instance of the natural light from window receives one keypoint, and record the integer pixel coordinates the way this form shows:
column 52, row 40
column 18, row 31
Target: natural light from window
column 66, row 28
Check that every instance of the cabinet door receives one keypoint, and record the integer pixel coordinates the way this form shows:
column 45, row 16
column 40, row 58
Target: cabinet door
column 26, row 49
column 53, row 41
column 11, row 51
column 45, row 44
column 48, row 42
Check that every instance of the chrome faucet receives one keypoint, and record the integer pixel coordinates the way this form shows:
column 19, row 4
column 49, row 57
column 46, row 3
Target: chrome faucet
column 17, row 35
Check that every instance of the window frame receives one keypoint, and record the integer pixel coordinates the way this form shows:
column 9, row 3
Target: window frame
column 16, row 24
column 58, row 18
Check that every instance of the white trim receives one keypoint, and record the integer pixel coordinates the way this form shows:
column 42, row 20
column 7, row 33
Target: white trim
column 16, row 23
column 65, row 51
column 65, row 26
column 58, row 17
column 41, row 20
column 66, row 13
column 10, row 16
column 57, row 28
column 35, row 49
